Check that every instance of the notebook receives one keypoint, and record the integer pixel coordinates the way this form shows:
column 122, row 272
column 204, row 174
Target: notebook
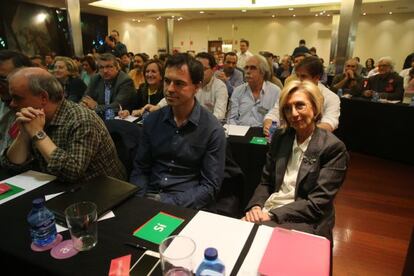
column 291, row 252
column 105, row 191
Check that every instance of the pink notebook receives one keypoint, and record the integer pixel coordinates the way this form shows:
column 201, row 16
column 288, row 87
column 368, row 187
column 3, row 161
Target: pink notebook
column 293, row 253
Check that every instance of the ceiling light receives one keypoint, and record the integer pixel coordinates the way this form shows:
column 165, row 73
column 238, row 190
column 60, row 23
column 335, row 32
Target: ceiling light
column 390, row 13
column 201, row 12
column 294, row 15
column 273, row 15
column 41, row 17
column 316, row 14
column 328, row 15
column 243, row 11
column 159, row 17
column 291, row 9
column 364, row 13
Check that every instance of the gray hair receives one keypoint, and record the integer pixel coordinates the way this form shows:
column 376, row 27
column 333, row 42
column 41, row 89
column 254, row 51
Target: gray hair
column 109, row 57
column 45, row 83
column 387, row 60
column 263, row 66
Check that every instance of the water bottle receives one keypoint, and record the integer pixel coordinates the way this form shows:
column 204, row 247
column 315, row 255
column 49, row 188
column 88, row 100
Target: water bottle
column 211, row 265
column 272, row 130
column 42, row 223
column 109, row 114
column 340, row 92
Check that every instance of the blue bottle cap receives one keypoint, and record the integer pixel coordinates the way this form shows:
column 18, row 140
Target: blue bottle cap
column 210, row 253
column 38, row 202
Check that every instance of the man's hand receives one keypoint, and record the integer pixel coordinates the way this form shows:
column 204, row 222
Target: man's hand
column 89, row 102
column 256, row 215
column 222, row 76
column 266, row 126
column 31, row 120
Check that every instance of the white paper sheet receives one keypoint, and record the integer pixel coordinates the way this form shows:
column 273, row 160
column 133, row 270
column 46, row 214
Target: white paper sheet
column 236, row 130
column 252, row 261
column 227, row 235
column 129, row 118
column 28, row 181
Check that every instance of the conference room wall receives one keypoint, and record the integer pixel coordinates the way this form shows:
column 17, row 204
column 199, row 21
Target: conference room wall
column 377, row 35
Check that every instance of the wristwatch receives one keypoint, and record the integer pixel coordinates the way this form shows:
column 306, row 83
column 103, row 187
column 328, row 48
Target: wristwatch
column 40, row 135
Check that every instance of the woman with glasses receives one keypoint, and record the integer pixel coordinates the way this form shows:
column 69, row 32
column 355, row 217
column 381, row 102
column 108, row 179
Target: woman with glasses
column 305, row 167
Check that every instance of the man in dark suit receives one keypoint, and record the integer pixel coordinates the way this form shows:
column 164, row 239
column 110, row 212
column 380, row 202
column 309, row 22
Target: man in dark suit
column 110, row 89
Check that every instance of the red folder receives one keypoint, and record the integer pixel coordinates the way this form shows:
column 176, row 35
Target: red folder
column 291, row 252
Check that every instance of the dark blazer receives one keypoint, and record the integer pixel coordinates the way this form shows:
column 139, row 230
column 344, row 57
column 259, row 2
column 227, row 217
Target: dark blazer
column 123, row 92
column 74, row 89
column 320, row 176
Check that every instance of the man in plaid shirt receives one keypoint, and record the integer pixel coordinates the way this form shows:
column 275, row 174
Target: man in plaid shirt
column 62, row 138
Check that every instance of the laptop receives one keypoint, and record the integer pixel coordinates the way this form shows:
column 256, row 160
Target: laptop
column 105, row 191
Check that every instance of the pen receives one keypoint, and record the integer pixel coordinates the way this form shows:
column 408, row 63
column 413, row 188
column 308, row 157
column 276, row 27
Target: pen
column 136, row 246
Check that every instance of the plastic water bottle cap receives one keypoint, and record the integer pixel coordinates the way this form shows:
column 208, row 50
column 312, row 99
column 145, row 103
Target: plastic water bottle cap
column 38, row 202
column 210, row 253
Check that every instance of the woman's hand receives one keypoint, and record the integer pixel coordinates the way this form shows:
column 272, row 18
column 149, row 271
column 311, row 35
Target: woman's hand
column 256, row 215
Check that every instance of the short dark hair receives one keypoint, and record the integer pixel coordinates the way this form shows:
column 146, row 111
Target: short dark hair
column 18, row 59
column 124, row 54
column 115, row 31
column 245, row 41
column 302, row 41
column 312, row 65
column 233, row 54
column 194, row 66
column 141, row 55
column 211, row 60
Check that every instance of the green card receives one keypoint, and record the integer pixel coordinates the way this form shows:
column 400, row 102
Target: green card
column 158, row 228
column 259, row 141
column 14, row 190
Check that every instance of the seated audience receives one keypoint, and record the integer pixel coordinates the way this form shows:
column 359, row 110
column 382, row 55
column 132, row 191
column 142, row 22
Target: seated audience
column 409, row 87
column 181, row 156
column 229, row 74
column 405, row 72
column 110, row 89
column 387, row 83
column 251, row 101
column 37, row 61
column 9, row 61
column 150, row 92
column 349, row 81
column 137, row 74
column 66, row 71
column 213, row 93
column 305, row 167
column 369, row 65
column 88, row 69
column 296, row 60
column 126, row 64
column 49, row 62
column 273, row 79
column 285, row 69
column 58, row 136
column 311, row 69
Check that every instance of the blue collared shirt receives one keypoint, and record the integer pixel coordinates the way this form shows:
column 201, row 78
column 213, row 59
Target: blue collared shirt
column 245, row 110
column 234, row 80
column 185, row 165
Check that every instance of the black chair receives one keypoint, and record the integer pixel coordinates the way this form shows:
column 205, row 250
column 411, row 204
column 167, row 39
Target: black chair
column 126, row 137
column 229, row 199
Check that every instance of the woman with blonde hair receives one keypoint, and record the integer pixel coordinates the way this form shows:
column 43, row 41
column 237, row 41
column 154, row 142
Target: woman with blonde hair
column 305, row 167
column 67, row 72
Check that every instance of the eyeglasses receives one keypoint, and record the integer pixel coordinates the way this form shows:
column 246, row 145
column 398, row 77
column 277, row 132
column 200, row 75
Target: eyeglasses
column 300, row 106
column 250, row 67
